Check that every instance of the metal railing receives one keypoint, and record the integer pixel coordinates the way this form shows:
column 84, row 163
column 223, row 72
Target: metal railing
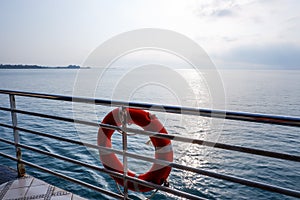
column 240, row 116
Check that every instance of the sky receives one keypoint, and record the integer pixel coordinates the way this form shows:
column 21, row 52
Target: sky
column 235, row 34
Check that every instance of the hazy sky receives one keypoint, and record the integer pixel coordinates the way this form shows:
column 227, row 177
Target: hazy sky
column 233, row 33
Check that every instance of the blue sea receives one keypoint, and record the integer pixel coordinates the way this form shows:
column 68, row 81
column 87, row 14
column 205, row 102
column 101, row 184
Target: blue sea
column 260, row 91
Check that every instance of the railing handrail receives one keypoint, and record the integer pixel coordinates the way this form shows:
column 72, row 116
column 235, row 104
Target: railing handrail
column 231, row 115
column 242, row 181
column 175, row 137
column 223, row 114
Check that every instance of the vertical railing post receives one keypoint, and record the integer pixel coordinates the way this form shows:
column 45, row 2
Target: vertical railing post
column 123, row 115
column 20, row 166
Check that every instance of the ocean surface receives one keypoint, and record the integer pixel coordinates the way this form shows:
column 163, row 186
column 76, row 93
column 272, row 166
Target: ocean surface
column 262, row 91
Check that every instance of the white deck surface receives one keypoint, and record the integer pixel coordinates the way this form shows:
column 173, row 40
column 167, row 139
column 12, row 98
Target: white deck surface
column 32, row 188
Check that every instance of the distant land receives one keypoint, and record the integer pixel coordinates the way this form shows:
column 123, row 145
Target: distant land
column 9, row 66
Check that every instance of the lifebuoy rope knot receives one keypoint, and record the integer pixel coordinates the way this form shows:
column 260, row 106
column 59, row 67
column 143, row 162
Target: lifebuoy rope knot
column 158, row 173
column 123, row 115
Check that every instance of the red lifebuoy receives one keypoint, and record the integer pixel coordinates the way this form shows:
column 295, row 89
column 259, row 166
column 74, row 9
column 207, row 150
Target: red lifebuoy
column 163, row 148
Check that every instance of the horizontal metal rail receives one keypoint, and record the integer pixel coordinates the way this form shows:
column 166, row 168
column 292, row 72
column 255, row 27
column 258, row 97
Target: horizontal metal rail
column 242, row 181
column 98, row 189
column 283, row 156
column 139, row 181
column 65, row 119
column 231, row 115
column 241, row 149
column 112, row 173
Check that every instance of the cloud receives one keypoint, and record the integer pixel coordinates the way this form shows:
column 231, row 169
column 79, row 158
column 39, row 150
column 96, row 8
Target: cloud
column 216, row 8
column 285, row 56
column 223, row 13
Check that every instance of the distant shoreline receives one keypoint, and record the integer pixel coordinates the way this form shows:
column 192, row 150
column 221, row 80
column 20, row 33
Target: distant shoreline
column 6, row 66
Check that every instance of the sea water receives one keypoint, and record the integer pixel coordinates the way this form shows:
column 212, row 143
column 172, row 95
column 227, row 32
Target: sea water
column 262, row 91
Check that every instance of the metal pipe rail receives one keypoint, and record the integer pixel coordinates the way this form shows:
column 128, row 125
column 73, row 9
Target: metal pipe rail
column 249, row 183
column 112, row 194
column 174, row 137
column 103, row 170
column 231, row 115
column 240, row 116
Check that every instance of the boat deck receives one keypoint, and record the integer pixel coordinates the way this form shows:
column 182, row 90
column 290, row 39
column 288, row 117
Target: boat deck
column 28, row 187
